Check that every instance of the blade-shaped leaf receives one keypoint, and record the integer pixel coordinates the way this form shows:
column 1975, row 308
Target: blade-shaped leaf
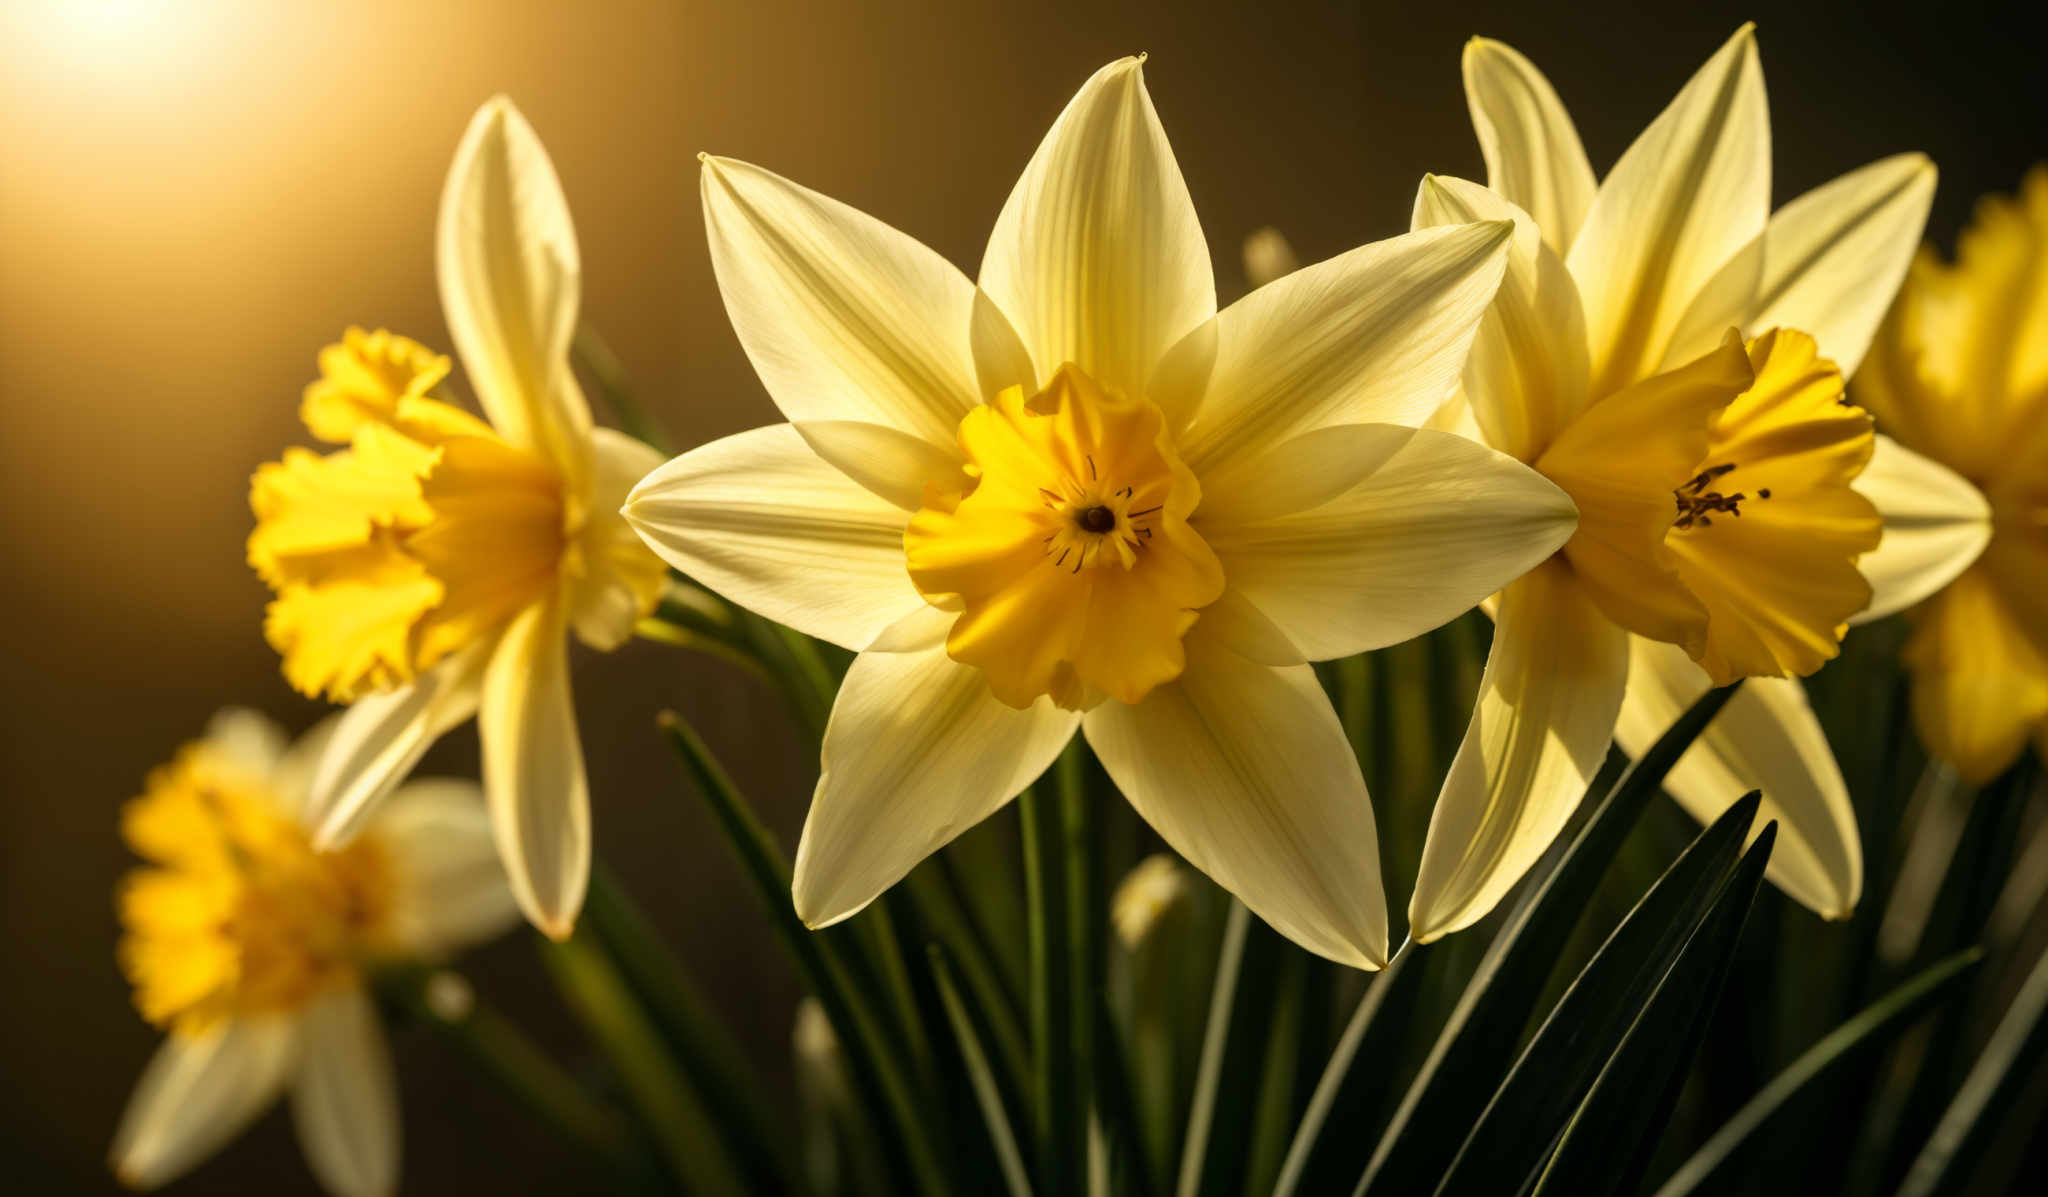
column 1463, row 1066
column 1518, row 1127
column 1607, row 1144
column 2001, row 1071
column 1873, row 1026
column 986, row 1093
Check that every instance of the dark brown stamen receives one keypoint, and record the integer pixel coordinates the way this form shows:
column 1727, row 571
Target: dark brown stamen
column 1097, row 519
column 1147, row 511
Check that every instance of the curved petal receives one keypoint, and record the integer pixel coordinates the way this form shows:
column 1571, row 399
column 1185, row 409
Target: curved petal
column 1935, row 525
column 763, row 520
column 843, row 317
column 1098, row 258
column 345, row 1097
column 619, row 579
column 1533, row 155
column 1980, row 682
column 918, row 750
column 1244, row 770
column 379, row 739
column 533, row 769
column 1693, row 190
column 452, row 890
column 1766, row 739
column 511, row 280
column 1376, row 335
column 894, row 465
column 1526, row 377
column 1428, row 524
column 197, row 1093
column 1834, row 257
column 1544, row 719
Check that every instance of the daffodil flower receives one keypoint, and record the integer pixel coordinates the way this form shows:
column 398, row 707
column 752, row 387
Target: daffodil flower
column 1076, row 495
column 1728, row 525
column 433, row 569
column 1960, row 373
column 251, row 949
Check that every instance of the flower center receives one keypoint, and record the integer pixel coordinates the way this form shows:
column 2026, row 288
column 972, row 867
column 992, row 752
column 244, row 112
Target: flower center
column 1697, row 505
column 236, row 914
column 425, row 533
column 1064, row 544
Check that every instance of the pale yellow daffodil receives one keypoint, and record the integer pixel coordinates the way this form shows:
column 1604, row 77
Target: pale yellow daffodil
column 434, row 568
column 1729, row 527
column 252, row 950
column 1077, row 496
column 1960, row 374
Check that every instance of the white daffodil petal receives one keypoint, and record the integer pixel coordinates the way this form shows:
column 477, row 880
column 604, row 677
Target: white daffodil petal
column 250, row 739
column 1692, row 192
column 511, row 282
column 917, row 752
column 1526, row 377
column 843, row 317
column 1834, row 257
column 1244, row 770
column 379, row 739
column 452, row 886
column 1935, row 525
column 1376, row 335
column 763, row 520
column 1426, row 532
column 1533, row 154
column 1541, row 728
column 894, row 465
column 345, row 1097
column 604, row 599
column 533, row 769
column 1098, row 258
column 1765, row 738
column 197, row 1093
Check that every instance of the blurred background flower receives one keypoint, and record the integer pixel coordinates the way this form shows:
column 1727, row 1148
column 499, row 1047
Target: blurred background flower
column 194, row 197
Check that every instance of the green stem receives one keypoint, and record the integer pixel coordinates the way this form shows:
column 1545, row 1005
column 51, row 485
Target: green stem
column 496, row 1045
column 672, row 1111
column 1084, row 943
column 825, row 971
column 1059, row 1145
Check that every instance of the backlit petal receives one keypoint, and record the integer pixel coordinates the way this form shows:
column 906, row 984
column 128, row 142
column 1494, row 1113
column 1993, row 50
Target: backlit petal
column 452, row 888
column 1526, row 378
column 511, row 281
column 1935, row 525
column 843, row 317
column 1693, row 190
column 379, row 739
column 1429, row 525
column 533, row 769
column 345, row 1097
column 1980, row 683
column 1545, row 717
column 1765, row 738
column 197, row 1093
column 1098, row 258
column 1376, row 335
column 917, row 752
column 1244, row 770
column 760, row 518
column 1532, row 150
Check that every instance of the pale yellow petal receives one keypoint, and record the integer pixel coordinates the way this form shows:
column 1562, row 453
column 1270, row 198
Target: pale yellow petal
column 1935, row 525
column 1532, row 150
column 1097, row 258
column 1691, row 192
column 451, row 889
column 918, row 750
column 1244, row 770
column 533, row 769
column 1429, row 525
column 1766, row 739
column 199, row 1092
column 1545, row 717
column 1376, row 335
column 1526, row 378
column 763, row 520
column 345, row 1097
column 616, row 578
column 1268, row 256
column 1980, row 682
column 511, row 282
column 379, row 739
column 843, row 317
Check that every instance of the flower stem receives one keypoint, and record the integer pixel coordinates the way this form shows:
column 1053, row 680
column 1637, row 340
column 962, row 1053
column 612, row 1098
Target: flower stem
column 1059, row 1143
column 1084, row 941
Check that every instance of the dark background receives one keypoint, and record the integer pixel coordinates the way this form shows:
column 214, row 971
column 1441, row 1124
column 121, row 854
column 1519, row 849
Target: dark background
column 195, row 197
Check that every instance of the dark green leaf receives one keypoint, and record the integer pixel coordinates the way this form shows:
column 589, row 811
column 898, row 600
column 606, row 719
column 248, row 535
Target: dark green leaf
column 987, row 1094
